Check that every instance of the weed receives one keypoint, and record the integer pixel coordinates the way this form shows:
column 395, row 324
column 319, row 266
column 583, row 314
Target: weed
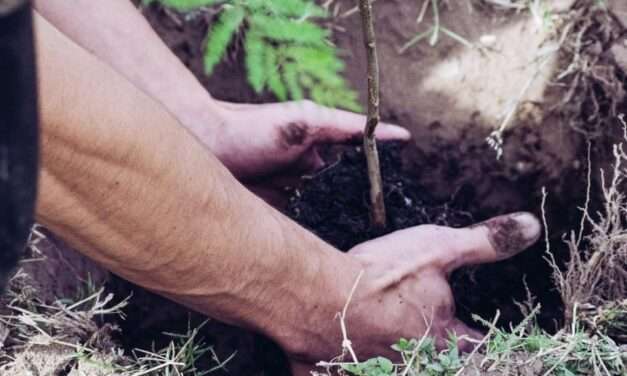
column 524, row 350
column 435, row 30
column 181, row 357
column 287, row 52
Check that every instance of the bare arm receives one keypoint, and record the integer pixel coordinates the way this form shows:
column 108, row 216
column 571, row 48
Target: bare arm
column 119, row 35
column 124, row 183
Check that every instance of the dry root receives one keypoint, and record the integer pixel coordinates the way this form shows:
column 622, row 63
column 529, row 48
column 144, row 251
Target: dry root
column 594, row 81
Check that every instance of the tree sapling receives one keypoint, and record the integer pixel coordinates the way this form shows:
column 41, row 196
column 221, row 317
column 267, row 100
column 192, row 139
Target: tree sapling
column 377, row 209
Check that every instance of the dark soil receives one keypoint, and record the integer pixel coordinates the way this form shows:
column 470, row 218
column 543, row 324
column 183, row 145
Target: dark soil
column 334, row 205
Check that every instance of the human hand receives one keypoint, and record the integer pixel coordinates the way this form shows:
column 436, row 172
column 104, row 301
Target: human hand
column 266, row 146
column 404, row 290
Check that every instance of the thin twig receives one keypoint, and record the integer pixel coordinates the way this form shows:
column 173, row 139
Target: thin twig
column 370, row 145
column 586, row 206
column 347, row 345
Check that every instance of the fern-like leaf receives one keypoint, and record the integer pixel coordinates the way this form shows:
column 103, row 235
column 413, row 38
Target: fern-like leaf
column 221, row 35
column 255, row 61
column 290, row 75
column 288, row 31
column 275, row 82
column 286, row 52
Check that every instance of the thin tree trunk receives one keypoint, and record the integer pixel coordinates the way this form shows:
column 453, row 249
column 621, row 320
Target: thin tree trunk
column 377, row 210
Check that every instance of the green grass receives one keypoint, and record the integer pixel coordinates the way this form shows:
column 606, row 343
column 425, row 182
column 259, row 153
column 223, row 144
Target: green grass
column 525, row 350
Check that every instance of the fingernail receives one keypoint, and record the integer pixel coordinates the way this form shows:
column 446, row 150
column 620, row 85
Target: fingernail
column 513, row 233
column 529, row 227
column 395, row 131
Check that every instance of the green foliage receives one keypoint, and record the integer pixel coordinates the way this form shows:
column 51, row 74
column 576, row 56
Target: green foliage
column 373, row 367
column 423, row 357
column 229, row 22
column 286, row 52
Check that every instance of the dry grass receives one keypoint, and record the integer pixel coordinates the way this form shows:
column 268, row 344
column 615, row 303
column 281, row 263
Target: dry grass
column 596, row 274
column 70, row 336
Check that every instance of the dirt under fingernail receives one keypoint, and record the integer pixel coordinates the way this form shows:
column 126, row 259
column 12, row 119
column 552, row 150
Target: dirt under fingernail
column 510, row 234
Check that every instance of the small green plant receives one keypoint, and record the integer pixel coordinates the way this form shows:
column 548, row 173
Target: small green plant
column 372, row 367
column 287, row 52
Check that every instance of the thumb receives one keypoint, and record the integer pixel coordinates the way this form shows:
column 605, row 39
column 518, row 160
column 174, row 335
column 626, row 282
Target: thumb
column 493, row 240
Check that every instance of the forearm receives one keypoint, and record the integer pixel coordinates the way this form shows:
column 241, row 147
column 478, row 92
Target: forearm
column 127, row 186
column 119, row 35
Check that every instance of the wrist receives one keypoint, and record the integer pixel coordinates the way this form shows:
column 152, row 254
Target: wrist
column 204, row 117
column 314, row 330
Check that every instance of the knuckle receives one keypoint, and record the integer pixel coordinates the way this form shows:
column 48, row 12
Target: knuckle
column 308, row 106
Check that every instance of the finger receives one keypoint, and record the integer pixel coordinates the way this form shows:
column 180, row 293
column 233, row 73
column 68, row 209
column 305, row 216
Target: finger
column 299, row 368
column 338, row 126
column 493, row 240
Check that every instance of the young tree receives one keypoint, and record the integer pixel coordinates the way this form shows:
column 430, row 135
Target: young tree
column 377, row 208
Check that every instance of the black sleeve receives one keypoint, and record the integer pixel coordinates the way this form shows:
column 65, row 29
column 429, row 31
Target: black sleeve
column 18, row 132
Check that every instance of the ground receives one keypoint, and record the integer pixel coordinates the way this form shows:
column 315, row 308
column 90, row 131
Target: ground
column 504, row 69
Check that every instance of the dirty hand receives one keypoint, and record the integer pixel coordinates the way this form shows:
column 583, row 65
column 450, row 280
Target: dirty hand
column 404, row 292
column 269, row 144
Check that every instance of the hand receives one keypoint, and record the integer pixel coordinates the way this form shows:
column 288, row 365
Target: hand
column 404, row 290
column 266, row 145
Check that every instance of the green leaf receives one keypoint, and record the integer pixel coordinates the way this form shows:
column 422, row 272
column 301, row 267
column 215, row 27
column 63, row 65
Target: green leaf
column 436, row 367
column 290, row 75
column 187, row 5
column 275, row 82
column 255, row 62
column 288, row 31
column 220, row 36
column 307, row 81
column 293, row 8
column 385, row 364
column 378, row 366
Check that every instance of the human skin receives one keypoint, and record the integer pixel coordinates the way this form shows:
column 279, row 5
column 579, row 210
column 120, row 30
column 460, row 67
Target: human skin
column 265, row 146
column 125, row 184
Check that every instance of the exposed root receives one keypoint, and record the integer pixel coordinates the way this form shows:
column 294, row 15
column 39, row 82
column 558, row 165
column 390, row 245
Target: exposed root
column 595, row 84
